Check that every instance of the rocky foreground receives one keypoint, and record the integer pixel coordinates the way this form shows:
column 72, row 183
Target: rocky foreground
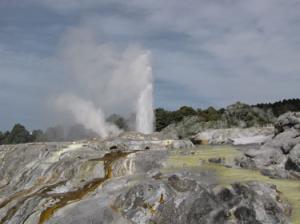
column 278, row 157
column 149, row 179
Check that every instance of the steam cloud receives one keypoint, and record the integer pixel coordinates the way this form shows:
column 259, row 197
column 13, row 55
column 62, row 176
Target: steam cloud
column 106, row 80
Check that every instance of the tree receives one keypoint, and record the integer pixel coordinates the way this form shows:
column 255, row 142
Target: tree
column 18, row 134
column 5, row 138
column 281, row 107
column 163, row 118
column 1, row 137
column 212, row 114
column 184, row 111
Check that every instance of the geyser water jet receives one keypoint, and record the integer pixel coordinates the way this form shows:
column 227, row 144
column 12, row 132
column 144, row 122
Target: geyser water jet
column 145, row 115
column 144, row 105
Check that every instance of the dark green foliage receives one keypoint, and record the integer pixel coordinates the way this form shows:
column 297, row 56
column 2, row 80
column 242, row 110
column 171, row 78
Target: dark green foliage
column 238, row 114
column 18, row 134
column 281, row 107
column 1, row 137
column 5, row 138
column 163, row 118
column 210, row 114
column 184, row 112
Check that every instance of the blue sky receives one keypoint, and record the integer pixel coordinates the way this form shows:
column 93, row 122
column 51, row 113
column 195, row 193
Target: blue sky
column 204, row 52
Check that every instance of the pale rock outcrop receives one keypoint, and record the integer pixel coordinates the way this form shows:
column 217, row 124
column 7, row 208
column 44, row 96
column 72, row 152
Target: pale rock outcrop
column 279, row 156
column 137, row 141
column 120, row 181
column 235, row 136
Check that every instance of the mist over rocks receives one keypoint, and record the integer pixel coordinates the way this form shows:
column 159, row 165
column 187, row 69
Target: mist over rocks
column 85, row 113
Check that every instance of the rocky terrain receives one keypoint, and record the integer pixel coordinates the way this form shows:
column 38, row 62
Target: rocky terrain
column 136, row 178
column 235, row 136
column 279, row 157
column 39, row 178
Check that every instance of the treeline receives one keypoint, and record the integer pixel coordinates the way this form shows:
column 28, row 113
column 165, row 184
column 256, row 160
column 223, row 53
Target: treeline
column 19, row 134
column 165, row 117
column 281, row 107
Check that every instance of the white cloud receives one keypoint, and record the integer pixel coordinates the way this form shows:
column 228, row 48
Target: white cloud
column 223, row 51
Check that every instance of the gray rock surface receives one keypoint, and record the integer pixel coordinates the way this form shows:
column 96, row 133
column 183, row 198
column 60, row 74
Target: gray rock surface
column 137, row 141
column 34, row 176
column 121, row 181
column 177, row 199
column 279, row 156
column 235, row 136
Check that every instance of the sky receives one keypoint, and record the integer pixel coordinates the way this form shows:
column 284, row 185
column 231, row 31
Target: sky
column 203, row 52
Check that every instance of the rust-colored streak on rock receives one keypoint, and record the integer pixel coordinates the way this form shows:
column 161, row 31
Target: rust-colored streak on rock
column 10, row 213
column 73, row 196
column 30, row 191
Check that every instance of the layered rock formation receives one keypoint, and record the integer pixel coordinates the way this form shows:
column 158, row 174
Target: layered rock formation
column 126, row 180
column 38, row 179
column 280, row 156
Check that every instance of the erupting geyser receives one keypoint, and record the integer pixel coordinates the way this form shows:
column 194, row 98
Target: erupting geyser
column 144, row 114
column 107, row 80
column 144, row 107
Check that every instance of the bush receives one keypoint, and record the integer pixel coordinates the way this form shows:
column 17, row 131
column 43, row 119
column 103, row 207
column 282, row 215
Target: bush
column 18, row 134
column 163, row 118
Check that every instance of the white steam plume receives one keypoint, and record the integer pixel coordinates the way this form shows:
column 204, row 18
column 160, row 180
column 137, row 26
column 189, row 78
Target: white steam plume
column 86, row 113
column 113, row 80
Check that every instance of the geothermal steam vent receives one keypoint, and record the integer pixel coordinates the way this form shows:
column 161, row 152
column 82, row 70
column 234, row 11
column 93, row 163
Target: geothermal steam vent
column 108, row 81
